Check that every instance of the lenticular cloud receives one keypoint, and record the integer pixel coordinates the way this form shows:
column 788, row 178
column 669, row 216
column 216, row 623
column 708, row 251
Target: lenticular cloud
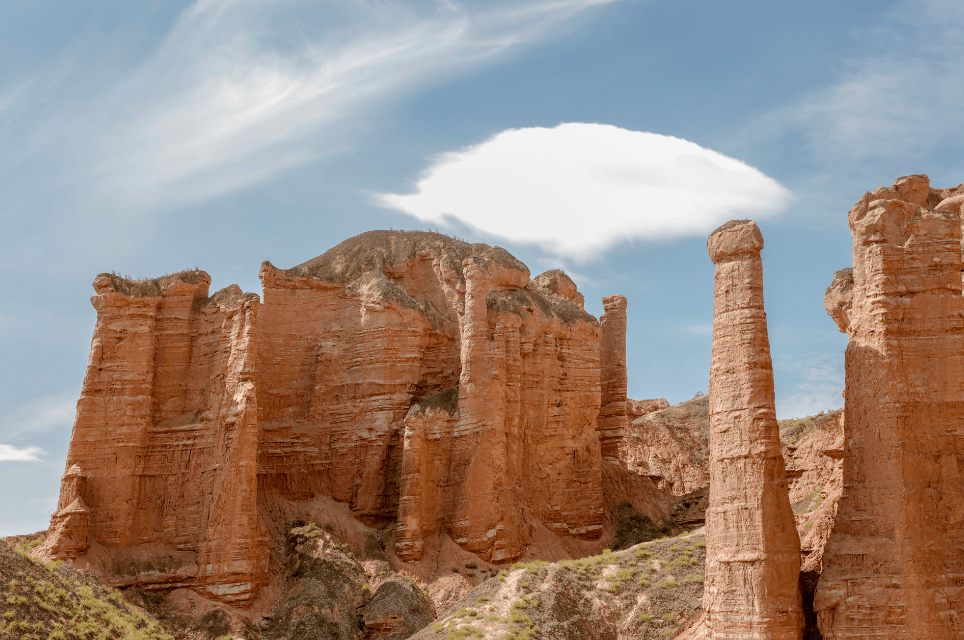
column 579, row 188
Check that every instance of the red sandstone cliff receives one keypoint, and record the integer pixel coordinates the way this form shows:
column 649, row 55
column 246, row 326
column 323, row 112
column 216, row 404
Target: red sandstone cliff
column 418, row 380
column 893, row 563
column 163, row 452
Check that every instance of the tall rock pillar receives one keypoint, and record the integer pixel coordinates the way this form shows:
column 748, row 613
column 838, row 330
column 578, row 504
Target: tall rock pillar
column 894, row 563
column 614, row 382
column 752, row 546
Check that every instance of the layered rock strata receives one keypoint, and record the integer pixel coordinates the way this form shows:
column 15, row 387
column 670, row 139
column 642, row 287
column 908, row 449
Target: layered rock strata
column 894, row 563
column 166, row 433
column 413, row 377
column 614, row 382
column 753, row 550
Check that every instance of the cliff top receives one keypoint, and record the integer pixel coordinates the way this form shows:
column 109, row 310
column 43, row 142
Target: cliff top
column 351, row 259
column 150, row 287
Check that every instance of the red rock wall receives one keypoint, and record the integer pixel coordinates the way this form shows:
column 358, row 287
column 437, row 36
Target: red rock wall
column 166, row 430
column 752, row 546
column 413, row 377
column 894, row 562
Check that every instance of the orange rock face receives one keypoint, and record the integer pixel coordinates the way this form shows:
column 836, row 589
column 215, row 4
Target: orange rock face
column 165, row 438
column 612, row 352
column 670, row 445
column 752, row 546
column 895, row 559
column 416, row 378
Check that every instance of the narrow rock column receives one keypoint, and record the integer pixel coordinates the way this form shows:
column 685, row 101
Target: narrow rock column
column 752, row 546
column 611, row 424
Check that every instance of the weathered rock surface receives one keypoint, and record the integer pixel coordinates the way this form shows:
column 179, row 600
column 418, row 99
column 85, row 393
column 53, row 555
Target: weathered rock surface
column 813, row 452
column 417, row 379
column 614, row 382
column 753, row 550
column 671, row 446
column 639, row 408
column 559, row 284
column 893, row 564
column 166, row 436
column 647, row 592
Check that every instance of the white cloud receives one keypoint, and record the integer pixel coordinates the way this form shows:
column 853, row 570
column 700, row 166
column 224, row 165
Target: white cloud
column 700, row 329
column 900, row 101
column 40, row 415
column 9, row 453
column 238, row 89
column 817, row 383
column 579, row 188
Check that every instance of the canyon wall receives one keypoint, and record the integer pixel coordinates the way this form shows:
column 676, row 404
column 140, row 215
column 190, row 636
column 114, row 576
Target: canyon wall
column 163, row 452
column 752, row 546
column 893, row 564
column 415, row 378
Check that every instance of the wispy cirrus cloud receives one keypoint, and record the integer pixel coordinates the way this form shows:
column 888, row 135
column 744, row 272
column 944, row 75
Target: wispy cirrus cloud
column 898, row 102
column 239, row 90
column 9, row 453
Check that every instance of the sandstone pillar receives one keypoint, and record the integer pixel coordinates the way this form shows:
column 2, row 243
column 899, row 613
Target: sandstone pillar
column 614, row 381
column 752, row 546
column 894, row 563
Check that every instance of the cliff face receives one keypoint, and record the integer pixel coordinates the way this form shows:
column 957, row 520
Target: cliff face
column 417, row 379
column 356, row 344
column 893, row 562
column 752, row 547
column 163, row 453
column 670, row 445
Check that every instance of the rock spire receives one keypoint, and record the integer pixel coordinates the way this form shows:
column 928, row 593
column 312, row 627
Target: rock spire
column 614, row 381
column 753, row 550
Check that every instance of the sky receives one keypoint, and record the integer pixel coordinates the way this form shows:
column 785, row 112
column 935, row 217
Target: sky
column 605, row 137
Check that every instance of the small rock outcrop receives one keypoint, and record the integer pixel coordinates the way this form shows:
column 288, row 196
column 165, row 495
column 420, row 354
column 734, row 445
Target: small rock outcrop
column 614, row 382
column 638, row 408
column 68, row 536
column 893, row 564
column 752, row 546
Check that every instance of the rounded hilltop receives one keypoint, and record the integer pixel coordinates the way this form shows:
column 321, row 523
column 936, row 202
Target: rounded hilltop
column 383, row 250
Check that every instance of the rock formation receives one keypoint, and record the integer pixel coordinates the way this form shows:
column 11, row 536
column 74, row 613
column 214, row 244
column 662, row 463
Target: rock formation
column 638, row 408
column 752, row 546
column 417, row 379
column 671, row 446
column 894, row 562
column 166, row 433
column 68, row 536
column 612, row 354
column 560, row 285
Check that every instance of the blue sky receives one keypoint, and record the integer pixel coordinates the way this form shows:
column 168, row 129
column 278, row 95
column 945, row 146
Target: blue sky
column 151, row 137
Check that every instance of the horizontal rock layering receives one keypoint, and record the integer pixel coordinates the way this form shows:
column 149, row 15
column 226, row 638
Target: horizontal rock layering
column 752, row 545
column 894, row 563
column 419, row 379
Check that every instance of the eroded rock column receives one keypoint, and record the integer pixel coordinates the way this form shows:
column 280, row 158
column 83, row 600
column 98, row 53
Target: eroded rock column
column 614, row 381
column 894, row 563
column 752, row 546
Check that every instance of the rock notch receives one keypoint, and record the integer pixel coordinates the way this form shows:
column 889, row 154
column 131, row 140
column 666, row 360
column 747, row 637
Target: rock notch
column 753, row 549
column 893, row 564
